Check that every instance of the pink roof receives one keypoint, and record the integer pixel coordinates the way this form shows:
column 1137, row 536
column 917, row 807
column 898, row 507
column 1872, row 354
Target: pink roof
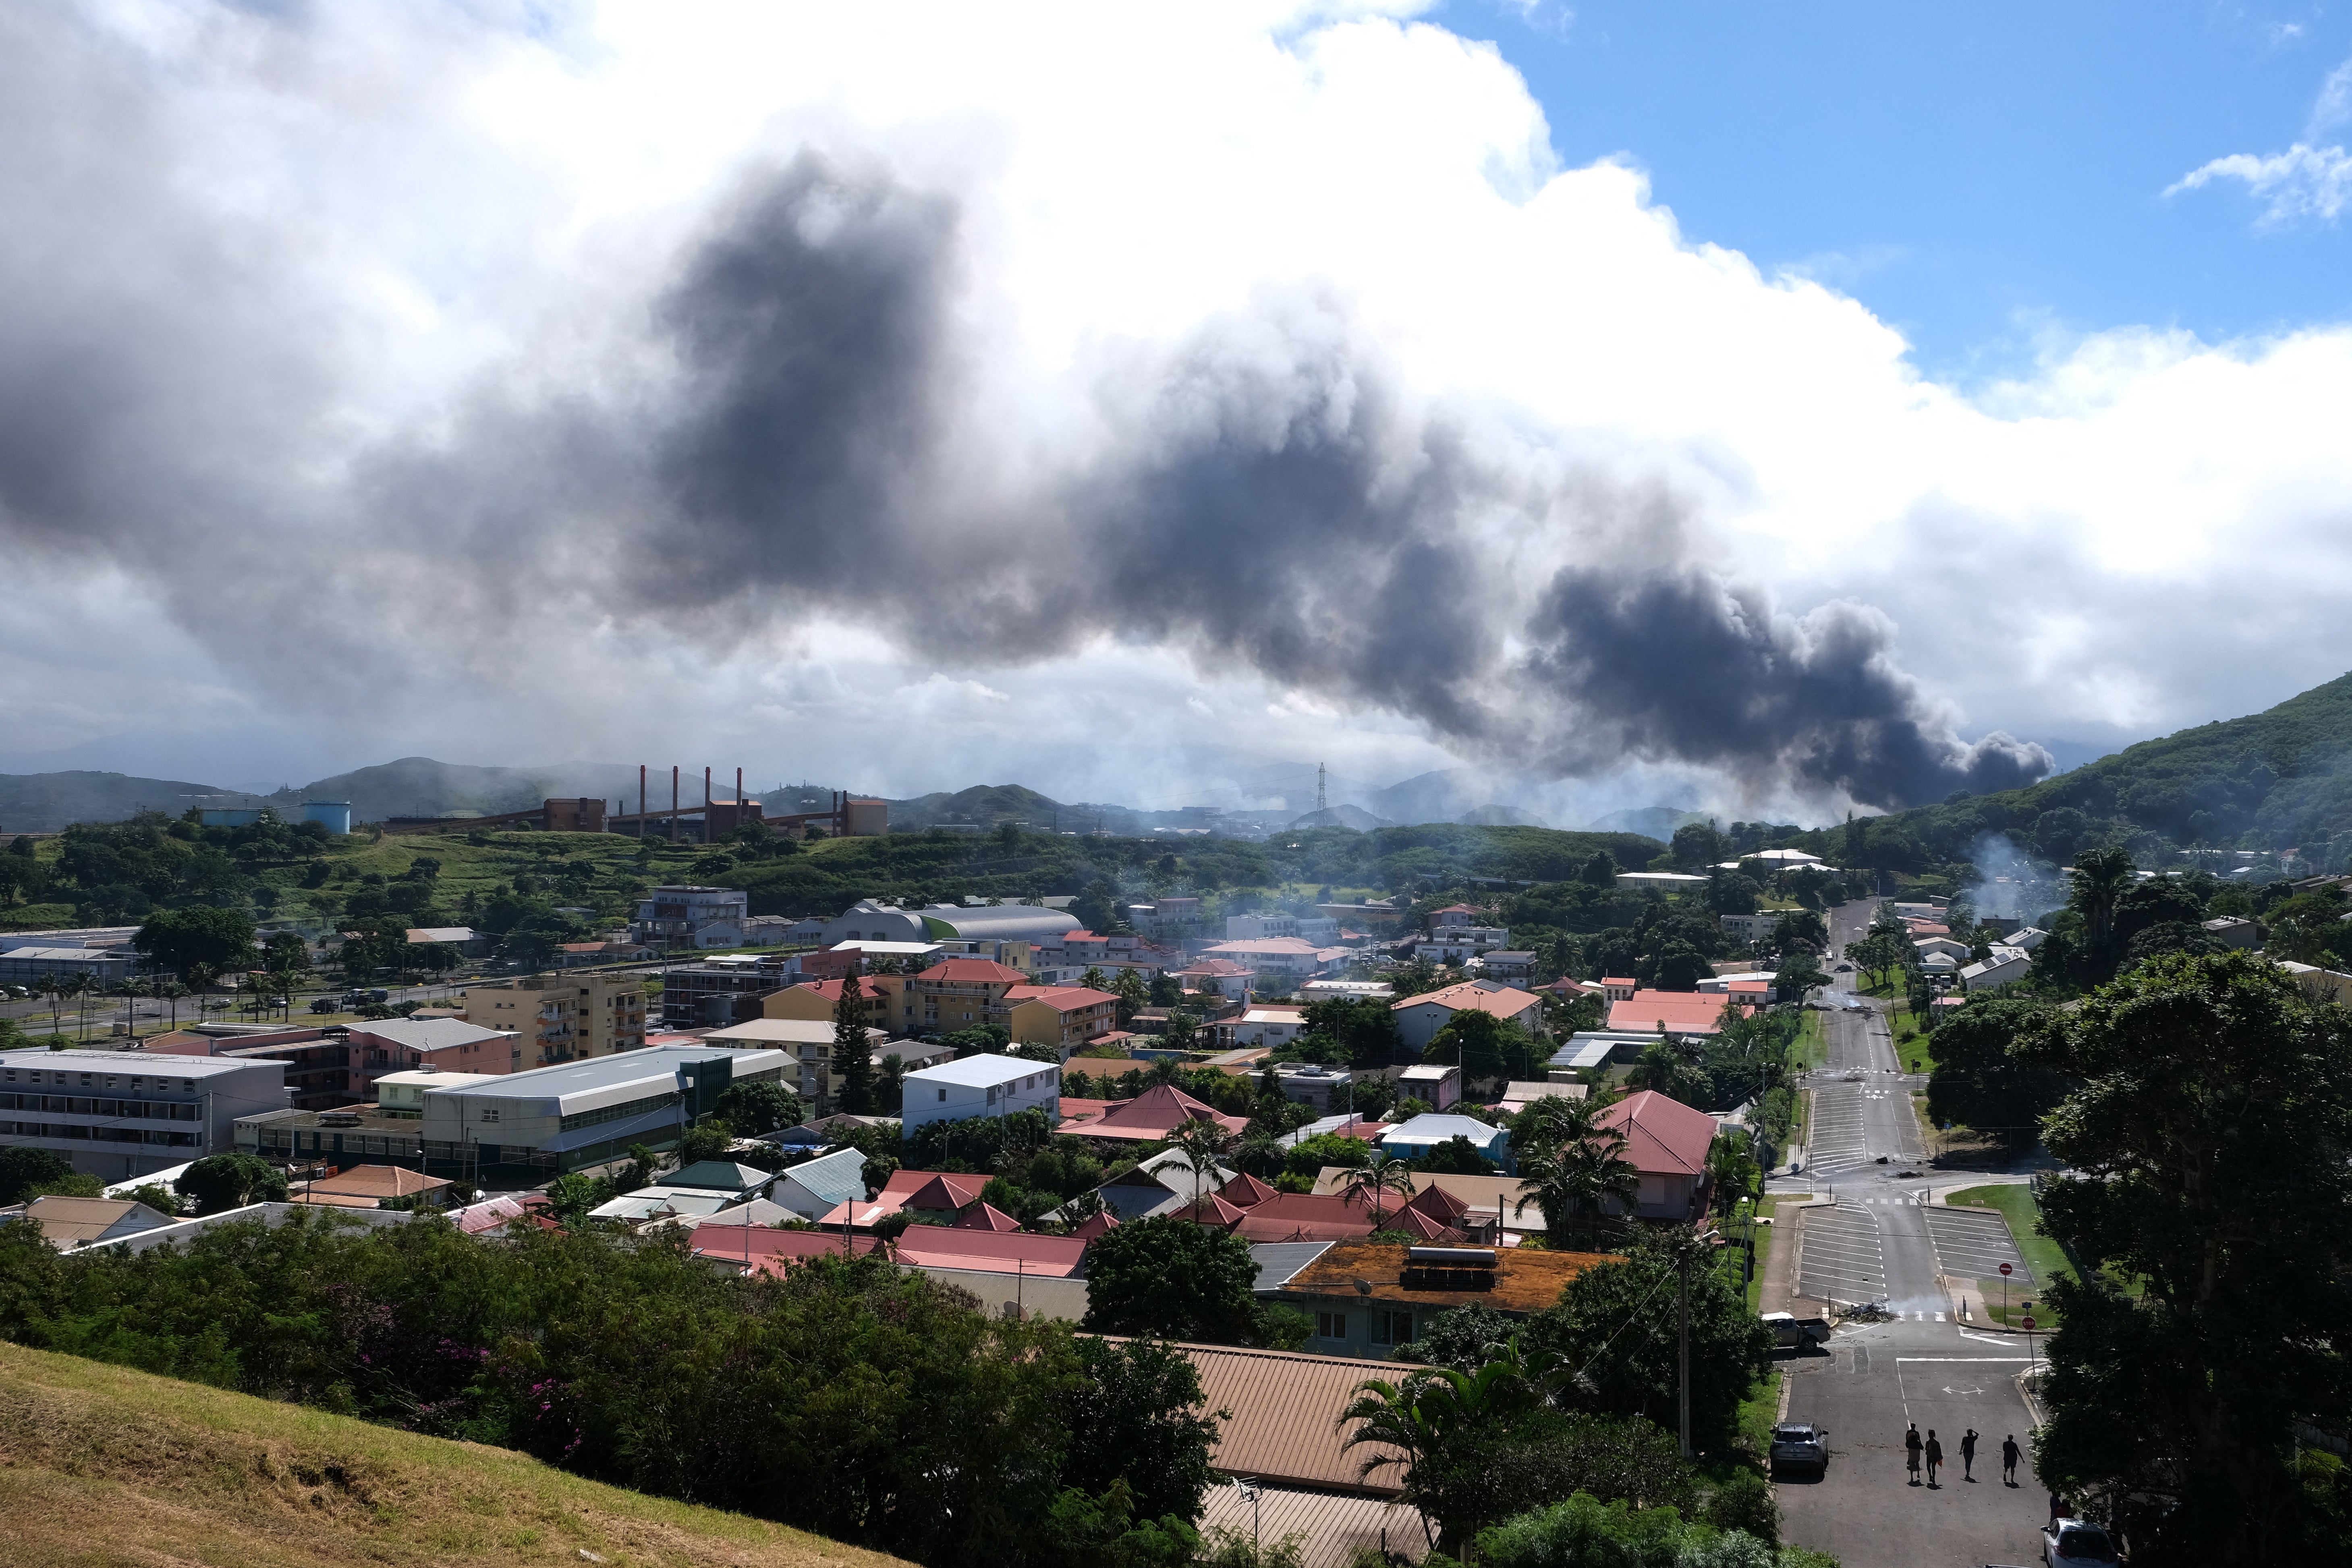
column 1664, row 1137
column 1156, row 1112
column 1619, row 980
column 1101, row 1223
column 1508, row 1003
column 970, row 970
column 1066, row 997
column 987, row 1216
column 1684, row 1012
column 988, row 1251
column 771, row 1251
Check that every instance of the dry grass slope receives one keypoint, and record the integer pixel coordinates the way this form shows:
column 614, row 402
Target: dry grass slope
column 101, row 1467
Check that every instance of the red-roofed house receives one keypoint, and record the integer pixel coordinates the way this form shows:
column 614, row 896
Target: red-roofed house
column 1619, row 987
column 1153, row 1114
column 987, row 1216
column 1222, row 976
column 988, row 1251
column 758, row 1249
column 1667, row 1142
column 945, row 1193
column 1419, row 1019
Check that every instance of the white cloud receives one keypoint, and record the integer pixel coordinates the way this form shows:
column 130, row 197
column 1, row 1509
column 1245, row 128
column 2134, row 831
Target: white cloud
column 2311, row 179
column 432, row 203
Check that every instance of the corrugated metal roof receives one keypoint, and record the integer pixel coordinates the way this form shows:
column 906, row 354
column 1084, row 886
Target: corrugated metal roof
column 1278, row 1260
column 1283, row 1416
column 1335, row 1525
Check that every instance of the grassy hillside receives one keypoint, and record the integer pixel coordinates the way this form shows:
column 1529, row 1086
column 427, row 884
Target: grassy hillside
column 100, row 1466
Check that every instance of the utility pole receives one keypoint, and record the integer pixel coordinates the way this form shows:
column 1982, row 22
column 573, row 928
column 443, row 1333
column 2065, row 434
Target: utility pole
column 1321, row 803
column 673, row 803
column 1682, row 1393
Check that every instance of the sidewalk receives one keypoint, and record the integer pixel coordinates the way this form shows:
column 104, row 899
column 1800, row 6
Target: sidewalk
column 1781, row 1265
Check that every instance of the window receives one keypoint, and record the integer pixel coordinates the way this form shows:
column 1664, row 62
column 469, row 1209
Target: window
column 943, row 1097
column 1331, row 1325
column 1392, row 1328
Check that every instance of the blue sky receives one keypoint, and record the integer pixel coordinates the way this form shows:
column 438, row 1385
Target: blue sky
column 1977, row 176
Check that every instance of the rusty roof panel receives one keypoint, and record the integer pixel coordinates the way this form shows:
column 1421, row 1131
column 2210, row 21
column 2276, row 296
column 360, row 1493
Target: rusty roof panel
column 1527, row 1279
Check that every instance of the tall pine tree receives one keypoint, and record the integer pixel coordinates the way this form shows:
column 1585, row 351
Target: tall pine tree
column 852, row 1054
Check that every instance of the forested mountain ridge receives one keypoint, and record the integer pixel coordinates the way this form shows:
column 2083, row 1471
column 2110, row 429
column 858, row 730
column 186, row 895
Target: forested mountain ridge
column 2275, row 780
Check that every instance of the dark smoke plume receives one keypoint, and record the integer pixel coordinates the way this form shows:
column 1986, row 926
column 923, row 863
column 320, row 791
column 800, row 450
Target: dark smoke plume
column 804, row 424
column 1273, row 503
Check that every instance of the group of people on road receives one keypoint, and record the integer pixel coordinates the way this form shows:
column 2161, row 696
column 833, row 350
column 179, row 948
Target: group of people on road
column 1928, row 1451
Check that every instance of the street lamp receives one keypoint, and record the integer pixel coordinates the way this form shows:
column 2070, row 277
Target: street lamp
column 1250, row 1490
column 1682, row 1390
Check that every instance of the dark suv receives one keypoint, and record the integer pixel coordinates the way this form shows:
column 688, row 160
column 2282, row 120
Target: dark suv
column 1801, row 1446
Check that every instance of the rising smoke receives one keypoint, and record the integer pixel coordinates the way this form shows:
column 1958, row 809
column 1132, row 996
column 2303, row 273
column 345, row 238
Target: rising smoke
column 797, row 424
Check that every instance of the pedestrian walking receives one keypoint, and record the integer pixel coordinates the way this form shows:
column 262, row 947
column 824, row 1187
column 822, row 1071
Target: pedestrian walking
column 1935, row 1457
column 2009, row 1456
column 1968, row 1455
column 1911, row 1452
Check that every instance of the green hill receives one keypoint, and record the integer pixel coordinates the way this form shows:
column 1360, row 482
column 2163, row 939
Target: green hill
column 45, row 802
column 100, row 1466
column 2276, row 779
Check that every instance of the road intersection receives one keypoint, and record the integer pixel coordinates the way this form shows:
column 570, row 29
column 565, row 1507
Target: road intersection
column 1880, row 1241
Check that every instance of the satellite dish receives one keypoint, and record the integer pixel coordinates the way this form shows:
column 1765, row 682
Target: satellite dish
column 1363, row 1286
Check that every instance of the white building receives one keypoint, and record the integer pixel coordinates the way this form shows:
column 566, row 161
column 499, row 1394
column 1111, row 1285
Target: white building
column 1459, row 945
column 980, row 1085
column 1435, row 1085
column 1269, row 956
column 2005, row 967
column 119, row 1114
column 1269, row 1024
column 1320, row 929
column 1751, row 929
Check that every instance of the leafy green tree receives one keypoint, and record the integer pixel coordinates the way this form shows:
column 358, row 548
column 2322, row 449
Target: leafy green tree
column 1979, row 1082
column 23, row 1169
column 1137, row 1418
column 1364, row 1029
column 1133, row 996
column 1457, row 1156
column 199, row 936
column 222, row 1182
column 1799, row 972
column 1170, row 1278
column 1616, row 1323
column 706, row 1140
column 853, row 1052
column 1488, row 1049
column 1464, row 1338
column 2212, row 1135
column 1664, row 1068
column 753, row 1108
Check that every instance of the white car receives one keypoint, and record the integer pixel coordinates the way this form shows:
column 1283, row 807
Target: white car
column 2076, row 1543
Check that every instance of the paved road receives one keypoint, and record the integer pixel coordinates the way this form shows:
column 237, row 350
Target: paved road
column 1880, row 1242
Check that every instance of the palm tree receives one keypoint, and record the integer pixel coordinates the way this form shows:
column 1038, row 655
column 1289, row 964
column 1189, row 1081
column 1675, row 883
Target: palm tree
column 2099, row 876
column 1199, row 1142
column 173, row 994
column 1577, row 1176
column 1664, row 1068
column 1422, row 1416
column 53, row 987
column 1383, row 1173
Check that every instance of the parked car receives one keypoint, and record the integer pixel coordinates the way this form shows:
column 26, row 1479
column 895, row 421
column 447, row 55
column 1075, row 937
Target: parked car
column 2076, row 1543
column 1791, row 1332
column 1801, row 1446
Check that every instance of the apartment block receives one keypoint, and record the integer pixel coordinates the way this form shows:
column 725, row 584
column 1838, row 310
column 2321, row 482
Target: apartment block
column 559, row 1018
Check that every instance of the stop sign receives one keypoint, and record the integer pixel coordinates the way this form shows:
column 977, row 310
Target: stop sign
column 2029, row 1322
column 2004, row 1270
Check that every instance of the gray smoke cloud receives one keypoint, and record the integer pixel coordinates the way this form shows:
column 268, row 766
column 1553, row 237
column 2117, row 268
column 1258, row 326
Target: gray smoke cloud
column 1273, row 503
column 796, row 425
